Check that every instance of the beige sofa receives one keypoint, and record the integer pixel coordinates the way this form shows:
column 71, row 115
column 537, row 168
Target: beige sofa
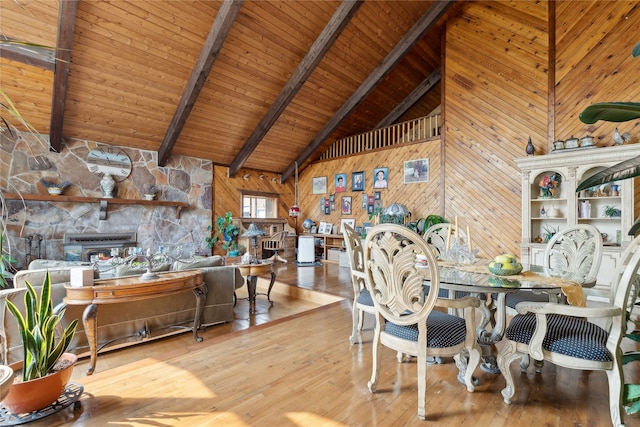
column 128, row 323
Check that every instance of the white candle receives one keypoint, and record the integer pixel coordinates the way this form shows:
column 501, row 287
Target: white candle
column 469, row 238
column 148, row 251
column 448, row 237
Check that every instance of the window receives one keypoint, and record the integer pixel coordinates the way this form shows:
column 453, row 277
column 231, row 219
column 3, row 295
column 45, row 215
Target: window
column 259, row 205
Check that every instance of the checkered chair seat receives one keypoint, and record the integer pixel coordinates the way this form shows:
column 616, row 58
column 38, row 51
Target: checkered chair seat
column 443, row 330
column 365, row 298
column 571, row 336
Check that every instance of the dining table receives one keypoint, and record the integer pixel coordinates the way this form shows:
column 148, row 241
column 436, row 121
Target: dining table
column 475, row 279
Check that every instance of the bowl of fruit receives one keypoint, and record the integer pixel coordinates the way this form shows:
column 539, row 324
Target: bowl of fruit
column 505, row 265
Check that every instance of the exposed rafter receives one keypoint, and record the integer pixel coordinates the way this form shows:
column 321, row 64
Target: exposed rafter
column 210, row 50
column 391, row 60
column 27, row 53
column 66, row 26
column 318, row 50
column 411, row 99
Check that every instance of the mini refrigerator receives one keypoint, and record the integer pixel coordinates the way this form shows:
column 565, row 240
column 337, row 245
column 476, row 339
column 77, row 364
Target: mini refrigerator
column 306, row 248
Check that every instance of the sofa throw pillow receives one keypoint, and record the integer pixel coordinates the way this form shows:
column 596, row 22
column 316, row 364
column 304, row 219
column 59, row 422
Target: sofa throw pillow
column 199, row 262
column 128, row 270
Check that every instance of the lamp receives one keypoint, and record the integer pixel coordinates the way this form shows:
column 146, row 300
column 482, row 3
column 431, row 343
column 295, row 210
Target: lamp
column 397, row 213
column 294, row 211
column 253, row 232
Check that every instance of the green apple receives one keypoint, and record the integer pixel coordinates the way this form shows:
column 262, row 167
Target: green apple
column 502, row 259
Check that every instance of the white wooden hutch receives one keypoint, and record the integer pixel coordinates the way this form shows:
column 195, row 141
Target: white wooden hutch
column 566, row 208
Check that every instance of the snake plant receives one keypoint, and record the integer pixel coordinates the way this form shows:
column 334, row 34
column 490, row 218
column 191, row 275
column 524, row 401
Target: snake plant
column 41, row 348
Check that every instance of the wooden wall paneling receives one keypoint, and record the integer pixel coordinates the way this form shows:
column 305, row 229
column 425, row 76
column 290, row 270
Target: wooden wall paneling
column 226, row 192
column 422, row 199
column 594, row 64
column 495, row 98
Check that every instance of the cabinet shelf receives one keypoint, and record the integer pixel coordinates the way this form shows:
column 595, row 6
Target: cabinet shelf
column 104, row 202
column 327, row 242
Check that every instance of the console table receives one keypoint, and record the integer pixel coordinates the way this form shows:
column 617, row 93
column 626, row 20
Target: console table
column 131, row 288
column 251, row 273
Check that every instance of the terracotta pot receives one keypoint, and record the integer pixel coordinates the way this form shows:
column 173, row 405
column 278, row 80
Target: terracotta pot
column 25, row 397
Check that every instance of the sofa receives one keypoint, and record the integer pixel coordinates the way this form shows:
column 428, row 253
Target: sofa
column 126, row 323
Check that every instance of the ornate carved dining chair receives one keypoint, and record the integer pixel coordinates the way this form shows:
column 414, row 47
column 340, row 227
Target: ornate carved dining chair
column 362, row 302
column 405, row 317
column 563, row 334
column 437, row 236
column 275, row 243
column 576, row 249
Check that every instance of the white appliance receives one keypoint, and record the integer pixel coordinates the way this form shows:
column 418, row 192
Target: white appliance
column 306, row 249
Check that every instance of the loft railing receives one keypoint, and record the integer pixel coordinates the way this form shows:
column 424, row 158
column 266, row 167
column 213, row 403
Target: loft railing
column 400, row 133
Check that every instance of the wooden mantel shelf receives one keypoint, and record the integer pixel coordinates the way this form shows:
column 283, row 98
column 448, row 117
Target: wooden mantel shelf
column 104, row 202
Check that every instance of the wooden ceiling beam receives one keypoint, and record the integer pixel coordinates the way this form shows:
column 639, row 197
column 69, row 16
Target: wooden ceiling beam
column 318, row 50
column 66, row 27
column 418, row 31
column 411, row 99
column 27, row 53
column 213, row 44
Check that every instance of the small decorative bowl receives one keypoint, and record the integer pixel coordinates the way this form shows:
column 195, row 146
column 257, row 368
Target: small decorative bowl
column 149, row 196
column 505, row 272
column 54, row 191
column 503, row 283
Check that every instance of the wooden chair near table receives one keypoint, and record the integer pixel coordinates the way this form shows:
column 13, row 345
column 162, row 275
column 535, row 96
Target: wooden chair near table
column 404, row 308
column 276, row 244
column 362, row 302
column 577, row 250
column 563, row 334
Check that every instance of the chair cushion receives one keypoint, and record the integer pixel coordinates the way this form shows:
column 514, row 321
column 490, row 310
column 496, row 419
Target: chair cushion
column 365, row 298
column 571, row 336
column 443, row 330
column 199, row 262
column 514, row 298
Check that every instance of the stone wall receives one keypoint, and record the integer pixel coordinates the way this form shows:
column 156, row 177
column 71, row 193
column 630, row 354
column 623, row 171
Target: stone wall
column 184, row 179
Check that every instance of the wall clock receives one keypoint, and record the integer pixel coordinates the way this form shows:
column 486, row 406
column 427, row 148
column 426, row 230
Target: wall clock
column 109, row 160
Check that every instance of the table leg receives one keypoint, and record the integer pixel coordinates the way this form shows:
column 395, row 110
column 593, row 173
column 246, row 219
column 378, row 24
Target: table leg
column 201, row 296
column 273, row 280
column 91, row 330
column 251, row 289
column 487, row 339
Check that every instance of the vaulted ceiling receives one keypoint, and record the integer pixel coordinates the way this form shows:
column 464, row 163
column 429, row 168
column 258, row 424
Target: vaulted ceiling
column 245, row 84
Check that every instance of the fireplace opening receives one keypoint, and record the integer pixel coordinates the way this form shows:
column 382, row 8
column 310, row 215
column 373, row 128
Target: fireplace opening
column 82, row 246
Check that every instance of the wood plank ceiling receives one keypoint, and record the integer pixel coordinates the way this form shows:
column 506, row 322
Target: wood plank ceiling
column 245, row 84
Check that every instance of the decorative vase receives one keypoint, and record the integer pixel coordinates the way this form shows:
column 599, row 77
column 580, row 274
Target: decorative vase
column 29, row 396
column 107, row 184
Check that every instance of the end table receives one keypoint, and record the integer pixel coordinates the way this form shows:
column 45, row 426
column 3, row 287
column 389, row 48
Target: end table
column 251, row 273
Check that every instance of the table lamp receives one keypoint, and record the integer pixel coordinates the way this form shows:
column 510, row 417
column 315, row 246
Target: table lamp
column 253, row 232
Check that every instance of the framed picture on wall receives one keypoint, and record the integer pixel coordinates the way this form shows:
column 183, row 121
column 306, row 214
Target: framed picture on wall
column 319, row 184
column 365, row 199
column 357, row 181
column 350, row 221
column 376, row 195
column 381, row 178
column 416, row 171
column 346, row 205
column 341, row 182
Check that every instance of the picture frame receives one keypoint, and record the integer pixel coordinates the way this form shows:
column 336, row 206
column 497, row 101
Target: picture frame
column 341, row 182
column 314, row 229
column 381, row 178
column 319, row 185
column 327, row 210
column 333, row 206
column 416, row 171
column 357, row 181
column 369, row 208
column 328, row 228
column 376, row 195
column 345, row 205
column 332, row 197
column 350, row 221
column 365, row 199
column 321, row 227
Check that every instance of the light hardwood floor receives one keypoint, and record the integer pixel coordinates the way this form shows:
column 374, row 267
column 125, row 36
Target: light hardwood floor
column 291, row 365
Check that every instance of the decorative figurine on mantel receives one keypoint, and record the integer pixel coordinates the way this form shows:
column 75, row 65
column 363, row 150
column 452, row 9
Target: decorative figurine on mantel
column 531, row 150
column 107, row 184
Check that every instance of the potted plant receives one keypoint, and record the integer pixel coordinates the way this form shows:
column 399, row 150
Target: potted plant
column 611, row 211
column 46, row 367
column 226, row 234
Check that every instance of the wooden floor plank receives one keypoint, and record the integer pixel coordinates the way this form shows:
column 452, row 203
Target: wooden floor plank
column 291, row 365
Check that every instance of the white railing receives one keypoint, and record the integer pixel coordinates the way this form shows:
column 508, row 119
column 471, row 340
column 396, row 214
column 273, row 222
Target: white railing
column 400, row 133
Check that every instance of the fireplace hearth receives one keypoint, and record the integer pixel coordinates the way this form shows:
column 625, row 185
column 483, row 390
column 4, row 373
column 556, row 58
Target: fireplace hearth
column 82, row 246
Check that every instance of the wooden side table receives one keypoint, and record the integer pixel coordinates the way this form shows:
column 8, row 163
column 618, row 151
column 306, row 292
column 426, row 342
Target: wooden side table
column 251, row 273
column 131, row 288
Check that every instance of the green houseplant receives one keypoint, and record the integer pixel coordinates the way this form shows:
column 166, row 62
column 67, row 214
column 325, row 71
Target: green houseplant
column 46, row 366
column 226, row 234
